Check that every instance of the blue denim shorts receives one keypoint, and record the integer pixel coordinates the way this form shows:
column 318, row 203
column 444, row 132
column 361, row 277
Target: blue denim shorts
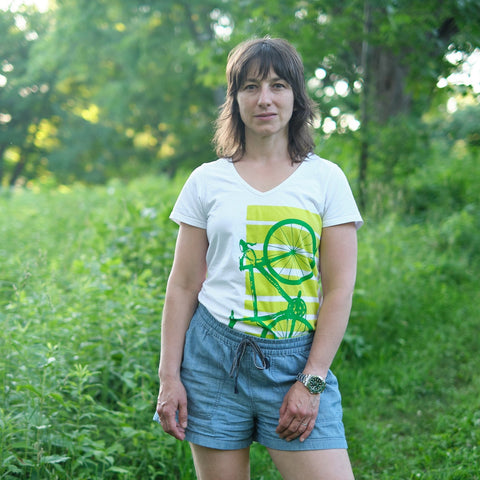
column 235, row 388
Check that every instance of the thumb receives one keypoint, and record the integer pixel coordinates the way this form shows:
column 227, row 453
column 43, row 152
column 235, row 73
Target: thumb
column 182, row 414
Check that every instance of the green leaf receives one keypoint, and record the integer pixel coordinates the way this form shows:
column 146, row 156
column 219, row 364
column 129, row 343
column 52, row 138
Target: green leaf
column 50, row 459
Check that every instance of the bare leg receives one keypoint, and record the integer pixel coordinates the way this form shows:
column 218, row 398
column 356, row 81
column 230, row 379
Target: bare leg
column 212, row 464
column 313, row 464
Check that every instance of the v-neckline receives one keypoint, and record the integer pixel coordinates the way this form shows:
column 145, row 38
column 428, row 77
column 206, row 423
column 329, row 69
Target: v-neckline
column 266, row 192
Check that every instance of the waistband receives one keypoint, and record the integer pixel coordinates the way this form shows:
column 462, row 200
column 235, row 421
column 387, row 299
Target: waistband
column 234, row 337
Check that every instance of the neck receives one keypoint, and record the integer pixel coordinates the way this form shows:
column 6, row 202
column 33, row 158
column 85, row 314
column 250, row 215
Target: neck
column 266, row 150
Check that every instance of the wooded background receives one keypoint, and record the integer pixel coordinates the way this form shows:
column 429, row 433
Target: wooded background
column 106, row 105
column 120, row 88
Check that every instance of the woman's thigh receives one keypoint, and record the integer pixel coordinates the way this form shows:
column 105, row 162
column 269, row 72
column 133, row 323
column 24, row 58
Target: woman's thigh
column 331, row 464
column 213, row 464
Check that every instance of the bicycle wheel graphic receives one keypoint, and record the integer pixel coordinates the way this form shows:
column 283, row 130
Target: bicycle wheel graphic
column 286, row 327
column 291, row 322
column 289, row 251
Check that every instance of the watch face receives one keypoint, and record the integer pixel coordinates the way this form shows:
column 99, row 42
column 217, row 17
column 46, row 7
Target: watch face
column 316, row 385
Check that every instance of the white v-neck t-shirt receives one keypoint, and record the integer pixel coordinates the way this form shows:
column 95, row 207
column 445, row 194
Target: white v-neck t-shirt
column 262, row 257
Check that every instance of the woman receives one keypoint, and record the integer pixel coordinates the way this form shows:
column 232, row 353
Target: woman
column 248, row 335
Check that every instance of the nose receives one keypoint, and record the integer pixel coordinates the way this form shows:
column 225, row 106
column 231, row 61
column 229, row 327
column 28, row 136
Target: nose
column 264, row 97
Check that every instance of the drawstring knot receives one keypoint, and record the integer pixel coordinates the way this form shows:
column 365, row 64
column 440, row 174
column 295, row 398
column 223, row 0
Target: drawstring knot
column 241, row 349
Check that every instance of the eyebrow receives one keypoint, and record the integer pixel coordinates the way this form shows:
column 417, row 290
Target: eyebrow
column 273, row 79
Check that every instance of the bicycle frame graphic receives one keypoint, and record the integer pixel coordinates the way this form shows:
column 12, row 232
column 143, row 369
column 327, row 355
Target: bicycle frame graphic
column 288, row 258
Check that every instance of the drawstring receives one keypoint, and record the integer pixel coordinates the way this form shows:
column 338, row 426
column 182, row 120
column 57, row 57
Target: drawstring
column 242, row 347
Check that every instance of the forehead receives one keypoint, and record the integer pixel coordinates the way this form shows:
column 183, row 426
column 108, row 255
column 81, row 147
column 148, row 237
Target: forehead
column 258, row 70
column 254, row 72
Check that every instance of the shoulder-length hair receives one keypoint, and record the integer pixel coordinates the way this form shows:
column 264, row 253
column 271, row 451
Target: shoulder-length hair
column 263, row 55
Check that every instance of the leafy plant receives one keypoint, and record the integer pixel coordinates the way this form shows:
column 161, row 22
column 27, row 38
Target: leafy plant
column 81, row 293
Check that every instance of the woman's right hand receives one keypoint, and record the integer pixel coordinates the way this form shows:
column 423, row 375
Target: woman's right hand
column 172, row 399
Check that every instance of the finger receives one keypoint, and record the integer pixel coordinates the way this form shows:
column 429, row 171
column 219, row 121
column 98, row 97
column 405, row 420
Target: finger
column 303, row 425
column 283, row 427
column 286, row 418
column 308, row 430
column 168, row 420
column 290, row 431
column 173, row 428
column 298, row 428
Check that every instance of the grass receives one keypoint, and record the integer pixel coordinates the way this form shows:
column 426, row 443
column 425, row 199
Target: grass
column 82, row 279
column 411, row 399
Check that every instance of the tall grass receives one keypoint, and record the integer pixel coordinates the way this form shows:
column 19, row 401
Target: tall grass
column 81, row 289
column 82, row 278
column 411, row 397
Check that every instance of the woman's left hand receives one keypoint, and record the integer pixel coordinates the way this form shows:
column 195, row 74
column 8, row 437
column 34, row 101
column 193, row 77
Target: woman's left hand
column 298, row 413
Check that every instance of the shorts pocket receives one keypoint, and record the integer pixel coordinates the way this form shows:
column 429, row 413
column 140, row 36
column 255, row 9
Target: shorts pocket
column 203, row 371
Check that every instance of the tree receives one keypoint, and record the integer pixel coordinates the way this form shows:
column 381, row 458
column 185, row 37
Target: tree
column 132, row 84
column 379, row 61
column 24, row 101
column 135, row 85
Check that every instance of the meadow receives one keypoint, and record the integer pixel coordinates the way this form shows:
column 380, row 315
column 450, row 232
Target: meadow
column 82, row 279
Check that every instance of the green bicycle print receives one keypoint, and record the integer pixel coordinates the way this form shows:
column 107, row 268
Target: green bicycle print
column 289, row 251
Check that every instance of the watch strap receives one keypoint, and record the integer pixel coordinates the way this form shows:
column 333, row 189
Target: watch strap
column 315, row 384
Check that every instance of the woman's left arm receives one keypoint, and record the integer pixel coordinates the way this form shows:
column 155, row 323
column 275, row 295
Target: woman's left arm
column 338, row 267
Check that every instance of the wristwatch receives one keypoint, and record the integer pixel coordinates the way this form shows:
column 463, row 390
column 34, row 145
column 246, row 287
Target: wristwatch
column 314, row 383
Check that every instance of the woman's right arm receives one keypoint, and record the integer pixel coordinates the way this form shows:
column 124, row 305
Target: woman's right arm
column 181, row 299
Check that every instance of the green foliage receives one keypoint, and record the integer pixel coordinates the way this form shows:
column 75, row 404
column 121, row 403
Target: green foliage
column 25, row 101
column 81, row 289
column 117, row 88
column 81, row 293
column 444, row 176
column 410, row 398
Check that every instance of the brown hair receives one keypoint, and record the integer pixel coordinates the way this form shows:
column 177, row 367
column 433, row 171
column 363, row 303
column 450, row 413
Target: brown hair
column 264, row 54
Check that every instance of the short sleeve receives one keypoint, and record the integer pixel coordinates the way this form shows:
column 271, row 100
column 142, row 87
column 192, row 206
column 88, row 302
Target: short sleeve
column 189, row 207
column 340, row 205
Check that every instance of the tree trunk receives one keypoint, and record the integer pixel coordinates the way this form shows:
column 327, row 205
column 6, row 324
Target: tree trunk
column 365, row 109
column 385, row 94
column 389, row 83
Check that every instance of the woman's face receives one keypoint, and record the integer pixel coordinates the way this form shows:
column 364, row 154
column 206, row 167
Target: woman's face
column 265, row 105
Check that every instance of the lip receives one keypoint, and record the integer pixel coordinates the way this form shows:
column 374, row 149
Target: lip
column 265, row 116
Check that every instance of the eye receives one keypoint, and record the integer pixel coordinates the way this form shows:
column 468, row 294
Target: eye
column 279, row 85
column 249, row 86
